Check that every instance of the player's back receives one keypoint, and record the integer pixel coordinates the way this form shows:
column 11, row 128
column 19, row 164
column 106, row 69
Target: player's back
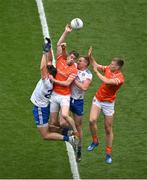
column 41, row 94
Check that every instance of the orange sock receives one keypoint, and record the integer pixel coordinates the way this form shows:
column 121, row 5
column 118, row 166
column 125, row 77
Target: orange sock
column 108, row 150
column 95, row 139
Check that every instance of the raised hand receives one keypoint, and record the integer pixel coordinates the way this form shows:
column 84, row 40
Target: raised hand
column 95, row 69
column 90, row 51
column 63, row 45
column 68, row 28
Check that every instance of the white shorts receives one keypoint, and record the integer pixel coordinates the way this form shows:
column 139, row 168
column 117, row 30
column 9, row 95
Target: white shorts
column 58, row 101
column 106, row 107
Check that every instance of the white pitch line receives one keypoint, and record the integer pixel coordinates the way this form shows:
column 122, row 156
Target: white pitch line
column 45, row 31
column 72, row 161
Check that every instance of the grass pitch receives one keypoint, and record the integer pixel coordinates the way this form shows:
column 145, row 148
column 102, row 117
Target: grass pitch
column 113, row 28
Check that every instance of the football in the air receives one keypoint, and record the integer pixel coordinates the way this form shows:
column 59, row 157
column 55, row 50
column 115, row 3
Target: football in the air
column 76, row 23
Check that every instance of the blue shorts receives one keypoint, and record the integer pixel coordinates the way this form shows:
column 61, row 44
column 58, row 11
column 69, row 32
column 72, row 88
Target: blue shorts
column 77, row 106
column 41, row 115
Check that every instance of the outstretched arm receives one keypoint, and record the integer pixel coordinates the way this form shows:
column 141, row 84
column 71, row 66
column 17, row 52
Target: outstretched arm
column 67, row 30
column 105, row 79
column 93, row 61
column 84, row 86
column 45, row 60
column 64, row 52
column 43, row 65
column 63, row 83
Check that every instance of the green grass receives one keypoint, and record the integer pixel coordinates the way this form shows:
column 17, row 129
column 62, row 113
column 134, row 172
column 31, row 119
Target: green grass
column 23, row 153
column 113, row 28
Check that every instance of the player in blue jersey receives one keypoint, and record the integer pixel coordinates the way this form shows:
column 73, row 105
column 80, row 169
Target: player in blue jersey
column 80, row 85
column 41, row 97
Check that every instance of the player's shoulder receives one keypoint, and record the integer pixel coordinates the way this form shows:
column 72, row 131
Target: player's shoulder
column 107, row 68
column 85, row 74
column 88, row 71
column 88, row 74
column 119, row 73
column 120, row 76
column 47, row 81
column 61, row 57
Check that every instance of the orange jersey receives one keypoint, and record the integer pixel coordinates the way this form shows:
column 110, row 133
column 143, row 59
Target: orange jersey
column 64, row 71
column 107, row 92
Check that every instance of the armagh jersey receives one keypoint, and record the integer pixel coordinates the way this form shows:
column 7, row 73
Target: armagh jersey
column 41, row 94
column 78, row 93
column 107, row 92
column 63, row 72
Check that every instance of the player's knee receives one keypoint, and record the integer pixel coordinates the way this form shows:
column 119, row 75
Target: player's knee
column 45, row 136
column 92, row 121
column 108, row 130
column 64, row 116
column 79, row 128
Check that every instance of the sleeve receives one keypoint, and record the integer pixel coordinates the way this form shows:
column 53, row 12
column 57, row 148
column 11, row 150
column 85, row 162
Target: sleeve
column 59, row 57
column 89, row 76
column 119, row 79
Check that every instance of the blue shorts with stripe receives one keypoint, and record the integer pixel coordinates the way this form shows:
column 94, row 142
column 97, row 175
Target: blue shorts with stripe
column 41, row 115
column 77, row 106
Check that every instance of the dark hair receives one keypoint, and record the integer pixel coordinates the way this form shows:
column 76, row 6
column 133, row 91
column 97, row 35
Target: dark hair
column 76, row 54
column 87, row 60
column 52, row 70
column 119, row 61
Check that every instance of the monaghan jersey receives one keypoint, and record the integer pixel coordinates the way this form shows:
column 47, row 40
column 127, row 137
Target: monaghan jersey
column 63, row 72
column 107, row 92
column 42, row 92
column 78, row 93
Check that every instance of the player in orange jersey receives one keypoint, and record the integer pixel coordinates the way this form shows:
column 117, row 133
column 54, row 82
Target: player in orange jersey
column 66, row 73
column 104, row 100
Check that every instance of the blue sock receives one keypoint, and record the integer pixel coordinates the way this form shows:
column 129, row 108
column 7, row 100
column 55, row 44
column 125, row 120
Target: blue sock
column 65, row 138
column 65, row 131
